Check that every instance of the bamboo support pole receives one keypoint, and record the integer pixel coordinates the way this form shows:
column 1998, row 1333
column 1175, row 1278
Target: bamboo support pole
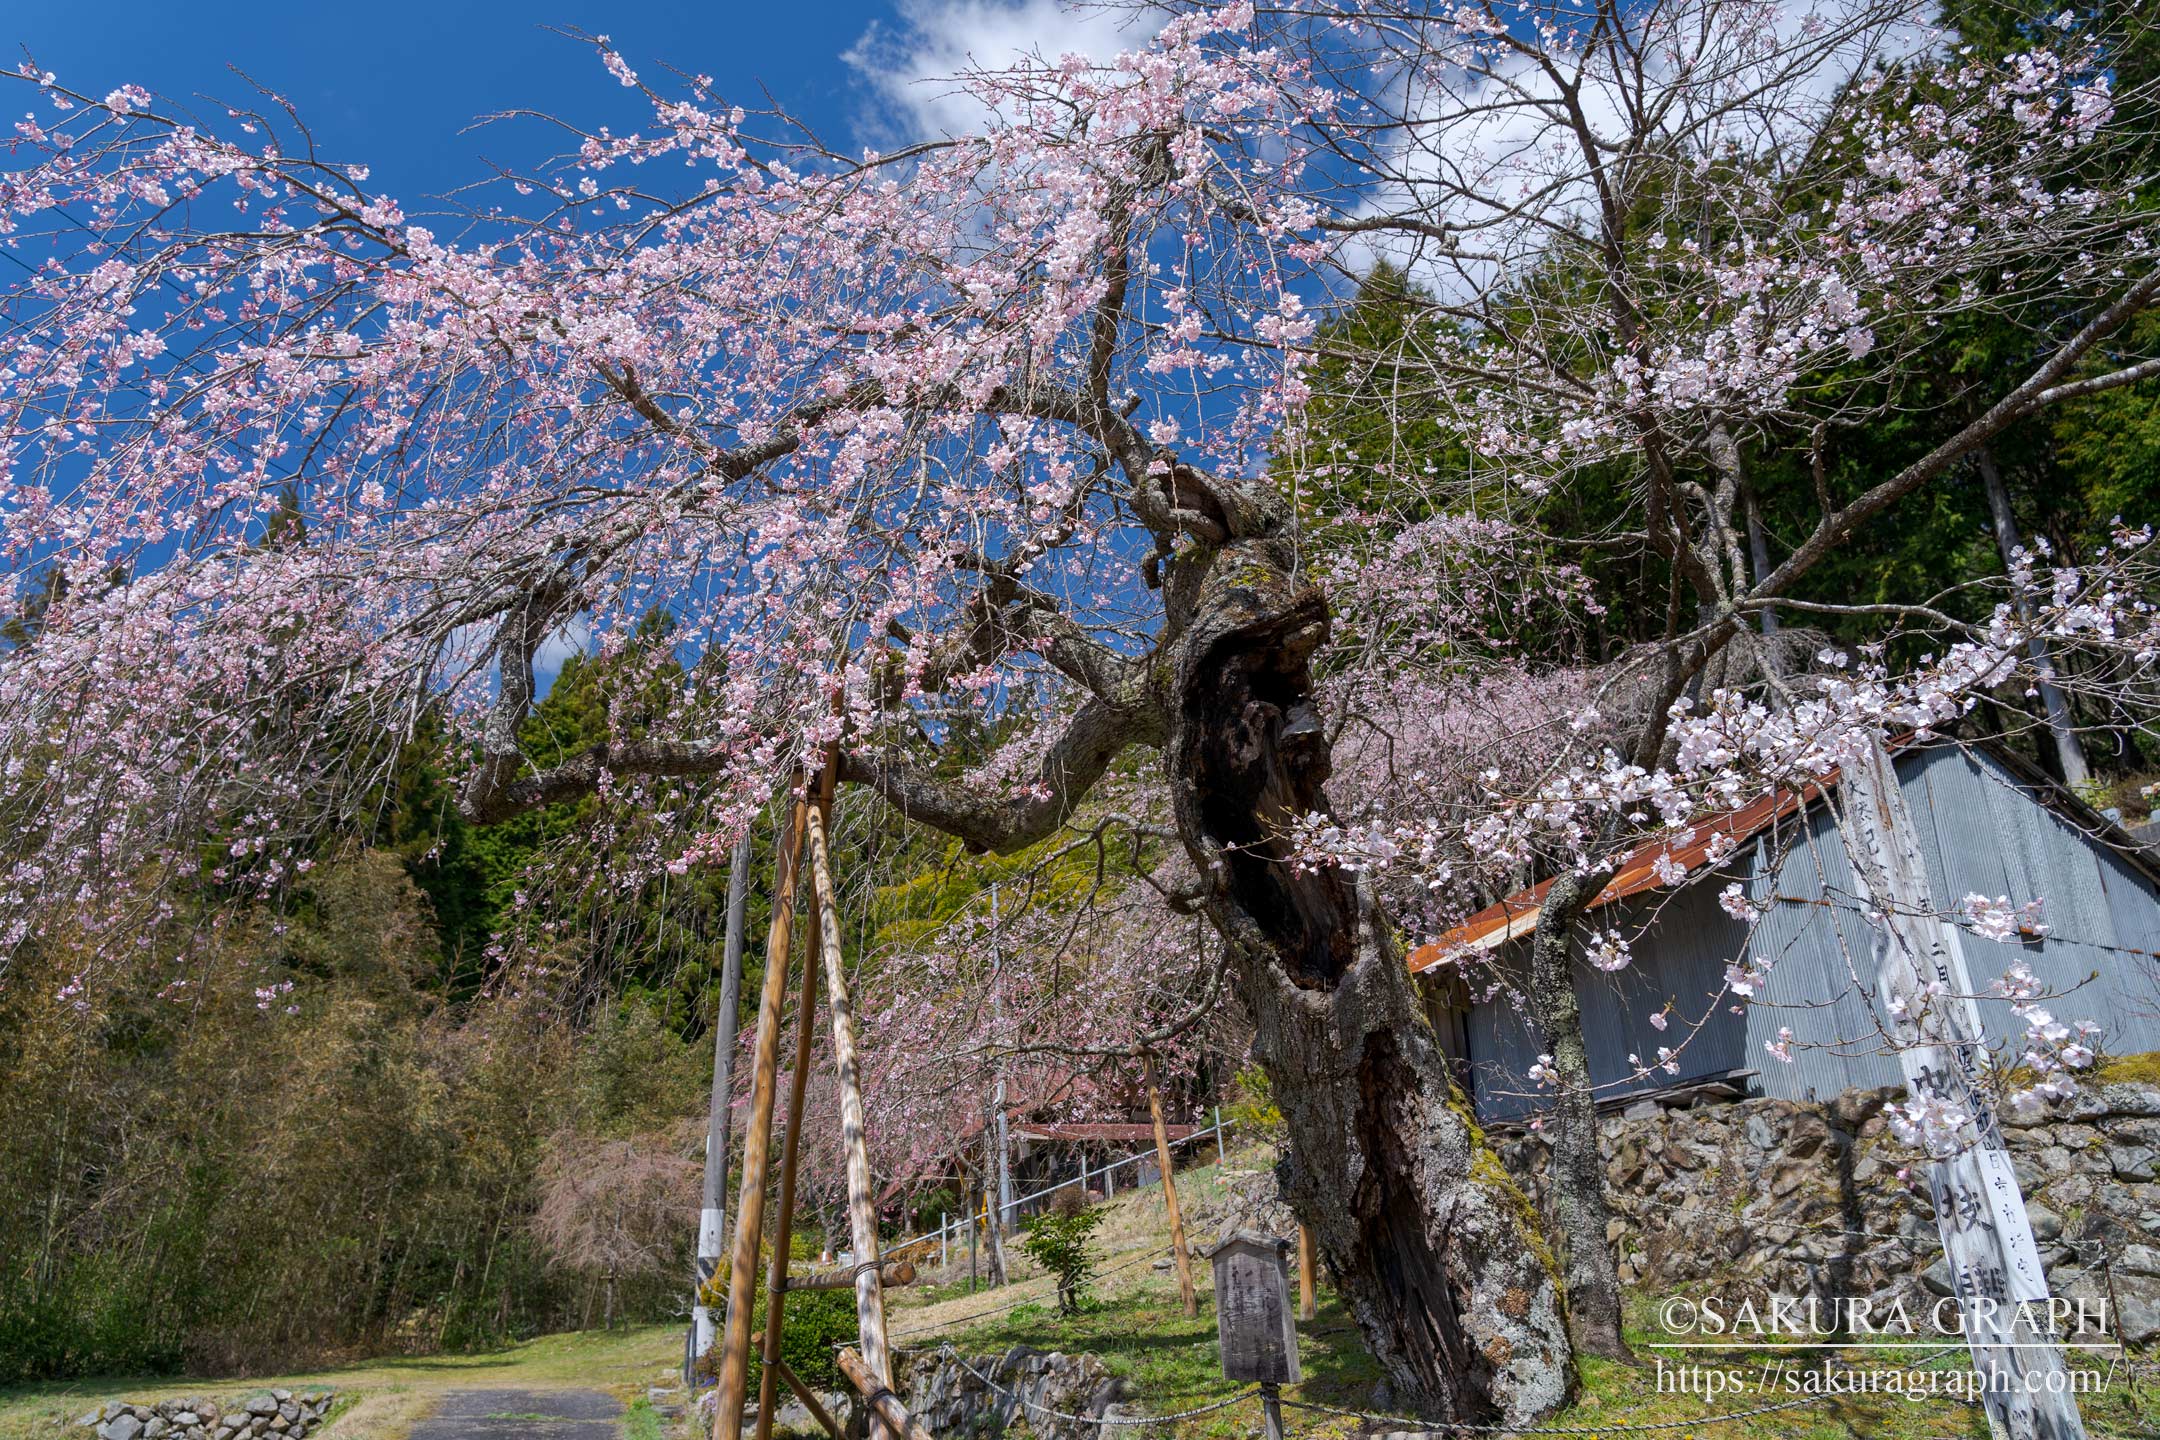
column 890, row 1272
column 757, row 1138
column 861, row 1205
column 804, row 1393
column 1169, row 1188
column 712, row 1218
column 1307, row 1308
column 880, row 1398
column 776, row 1286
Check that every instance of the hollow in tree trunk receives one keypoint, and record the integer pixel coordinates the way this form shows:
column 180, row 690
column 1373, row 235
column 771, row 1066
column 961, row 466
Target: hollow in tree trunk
column 1432, row 1246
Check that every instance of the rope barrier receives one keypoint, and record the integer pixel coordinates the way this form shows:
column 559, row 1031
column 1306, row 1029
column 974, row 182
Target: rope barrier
column 1417, row 1425
column 1016, row 1303
column 1460, row 1427
column 1041, row 1409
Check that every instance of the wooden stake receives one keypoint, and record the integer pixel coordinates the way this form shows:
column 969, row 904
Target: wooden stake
column 712, row 1226
column 861, row 1204
column 757, row 1138
column 1169, row 1189
column 890, row 1272
column 776, row 1285
column 879, row 1397
column 1306, row 1308
column 804, row 1393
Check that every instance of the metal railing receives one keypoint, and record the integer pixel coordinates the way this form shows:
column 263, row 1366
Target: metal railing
column 941, row 1240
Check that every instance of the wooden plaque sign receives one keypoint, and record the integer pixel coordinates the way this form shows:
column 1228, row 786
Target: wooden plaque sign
column 1253, row 1319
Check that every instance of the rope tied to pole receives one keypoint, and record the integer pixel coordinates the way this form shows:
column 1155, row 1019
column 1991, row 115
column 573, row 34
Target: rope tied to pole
column 1413, row 1425
column 1463, row 1427
column 1041, row 1409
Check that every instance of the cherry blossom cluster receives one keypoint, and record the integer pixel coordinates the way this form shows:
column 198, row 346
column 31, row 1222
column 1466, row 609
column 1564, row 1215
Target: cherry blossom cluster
column 1574, row 802
column 288, row 469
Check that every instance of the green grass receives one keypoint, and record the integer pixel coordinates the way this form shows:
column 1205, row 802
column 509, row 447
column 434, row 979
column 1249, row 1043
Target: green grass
column 380, row 1399
column 642, row 1422
column 1172, row 1364
column 1138, row 1328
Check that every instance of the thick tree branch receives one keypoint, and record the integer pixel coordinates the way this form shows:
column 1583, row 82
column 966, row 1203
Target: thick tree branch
column 1011, row 817
column 2031, row 395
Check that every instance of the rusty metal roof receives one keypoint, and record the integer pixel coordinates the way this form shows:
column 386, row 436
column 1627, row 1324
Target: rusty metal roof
column 1517, row 915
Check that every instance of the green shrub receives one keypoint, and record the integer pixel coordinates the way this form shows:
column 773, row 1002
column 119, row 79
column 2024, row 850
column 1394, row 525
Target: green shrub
column 817, row 1323
column 1252, row 1105
column 1058, row 1240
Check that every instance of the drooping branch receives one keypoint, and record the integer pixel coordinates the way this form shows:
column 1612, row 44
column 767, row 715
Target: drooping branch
column 1011, row 817
column 488, row 804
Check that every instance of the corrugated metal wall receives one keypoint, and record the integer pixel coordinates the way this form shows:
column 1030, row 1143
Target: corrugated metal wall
column 1982, row 831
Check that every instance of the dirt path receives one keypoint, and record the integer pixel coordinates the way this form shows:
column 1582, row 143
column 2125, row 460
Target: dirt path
column 521, row 1415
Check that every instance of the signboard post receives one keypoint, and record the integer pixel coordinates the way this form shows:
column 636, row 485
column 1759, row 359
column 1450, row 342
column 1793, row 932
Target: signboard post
column 1979, row 1211
column 1253, row 1322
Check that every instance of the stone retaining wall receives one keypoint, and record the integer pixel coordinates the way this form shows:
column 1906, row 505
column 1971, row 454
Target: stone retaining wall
column 953, row 1404
column 1779, row 1197
column 950, row 1402
column 265, row 1415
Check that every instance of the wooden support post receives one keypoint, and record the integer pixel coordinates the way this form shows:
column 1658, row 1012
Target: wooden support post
column 890, row 1272
column 804, row 1393
column 1169, row 1188
column 879, row 1397
column 776, row 1286
column 712, row 1222
column 757, row 1138
column 861, row 1201
column 1306, row 1307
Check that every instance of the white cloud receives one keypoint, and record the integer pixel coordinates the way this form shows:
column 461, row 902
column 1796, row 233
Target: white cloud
column 573, row 637
column 910, row 65
column 1495, row 155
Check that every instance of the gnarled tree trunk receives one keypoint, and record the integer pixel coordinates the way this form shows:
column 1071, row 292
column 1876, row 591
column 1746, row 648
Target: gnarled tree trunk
column 1433, row 1248
column 1576, row 1181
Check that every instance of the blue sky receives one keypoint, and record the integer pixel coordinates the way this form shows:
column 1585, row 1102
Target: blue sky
column 391, row 83
column 395, row 92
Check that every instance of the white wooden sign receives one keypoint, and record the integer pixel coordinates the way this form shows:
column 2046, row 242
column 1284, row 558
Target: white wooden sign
column 1988, row 1240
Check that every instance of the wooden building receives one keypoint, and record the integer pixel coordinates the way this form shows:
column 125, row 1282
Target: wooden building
column 1990, row 824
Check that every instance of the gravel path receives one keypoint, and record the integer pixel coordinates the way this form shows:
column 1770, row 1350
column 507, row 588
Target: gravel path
column 522, row 1415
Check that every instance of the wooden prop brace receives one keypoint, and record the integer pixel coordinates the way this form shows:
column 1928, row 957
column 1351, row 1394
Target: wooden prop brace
column 1169, row 1188
column 862, row 1207
column 890, row 1272
column 776, row 1286
column 757, row 1137
column 879, row 1397
column 807, row 821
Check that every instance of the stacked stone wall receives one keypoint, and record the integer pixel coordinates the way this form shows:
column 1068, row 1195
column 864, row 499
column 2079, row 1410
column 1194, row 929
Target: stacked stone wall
column 1762, row 1198
column 264, row 1415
